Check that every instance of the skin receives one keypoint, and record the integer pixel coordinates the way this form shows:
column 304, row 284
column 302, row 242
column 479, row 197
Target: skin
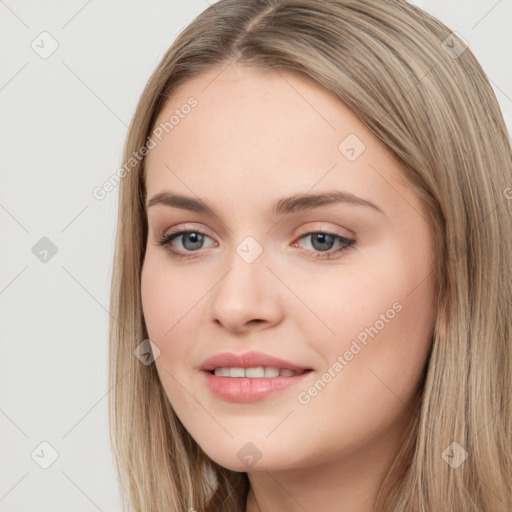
column 254, row 137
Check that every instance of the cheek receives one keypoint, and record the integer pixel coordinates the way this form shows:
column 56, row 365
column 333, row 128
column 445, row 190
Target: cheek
column 166, row 297
column 380, row 311
column 157, row 302
column 168, row 300
column 400, row 356
column 382, row 321
column 373, row 362
column 173, row 306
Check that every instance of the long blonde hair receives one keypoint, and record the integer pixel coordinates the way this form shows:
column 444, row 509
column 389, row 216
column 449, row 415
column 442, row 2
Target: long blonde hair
column 422, row 93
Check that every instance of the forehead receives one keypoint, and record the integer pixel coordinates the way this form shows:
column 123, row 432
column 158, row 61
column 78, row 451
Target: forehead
column 237, row 101
column 256, row 132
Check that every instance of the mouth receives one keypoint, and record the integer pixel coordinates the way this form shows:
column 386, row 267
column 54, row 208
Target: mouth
column 257, row 372
column 245, row 385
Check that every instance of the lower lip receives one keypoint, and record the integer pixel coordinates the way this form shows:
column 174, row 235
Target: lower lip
column 245, row 389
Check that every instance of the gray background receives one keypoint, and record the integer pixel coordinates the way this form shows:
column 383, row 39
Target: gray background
column 63, row 122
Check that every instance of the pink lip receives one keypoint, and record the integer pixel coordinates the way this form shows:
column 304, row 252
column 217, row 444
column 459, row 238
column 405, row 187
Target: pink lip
column 245, row 389
column 248, row 360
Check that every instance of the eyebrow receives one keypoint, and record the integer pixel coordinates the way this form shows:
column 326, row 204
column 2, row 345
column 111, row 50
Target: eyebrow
column 285, row 205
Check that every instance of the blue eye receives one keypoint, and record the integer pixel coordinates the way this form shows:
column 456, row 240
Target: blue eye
column 321, row 239
column 193, row 240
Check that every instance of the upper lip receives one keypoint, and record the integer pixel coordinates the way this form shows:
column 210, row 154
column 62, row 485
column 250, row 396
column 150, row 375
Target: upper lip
column 248, row 360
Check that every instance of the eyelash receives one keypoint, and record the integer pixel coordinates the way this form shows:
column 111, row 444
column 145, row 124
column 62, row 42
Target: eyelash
column 166, row 240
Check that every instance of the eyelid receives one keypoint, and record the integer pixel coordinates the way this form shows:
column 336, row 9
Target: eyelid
column 186, row 227
column 303, row 230
column 320, row 227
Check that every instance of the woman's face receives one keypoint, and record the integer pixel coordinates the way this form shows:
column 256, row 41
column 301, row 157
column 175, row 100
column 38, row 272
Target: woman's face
column 257, row 273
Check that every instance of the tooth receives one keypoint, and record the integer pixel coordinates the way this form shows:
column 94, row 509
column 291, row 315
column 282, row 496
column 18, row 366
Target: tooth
column 237, row 372
column 255, row 372
column 271, row 372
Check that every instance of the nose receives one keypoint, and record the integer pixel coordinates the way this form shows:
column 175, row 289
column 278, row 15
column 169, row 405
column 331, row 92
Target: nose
column 248, row 296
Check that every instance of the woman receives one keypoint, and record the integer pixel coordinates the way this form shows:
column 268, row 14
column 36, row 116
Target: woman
column 311, row 292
